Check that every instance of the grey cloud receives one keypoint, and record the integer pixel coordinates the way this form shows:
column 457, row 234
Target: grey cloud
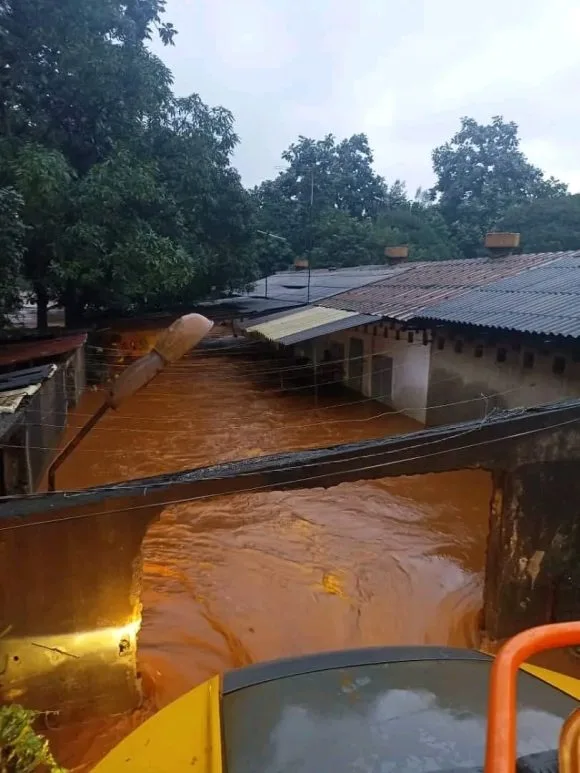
column 401, row 72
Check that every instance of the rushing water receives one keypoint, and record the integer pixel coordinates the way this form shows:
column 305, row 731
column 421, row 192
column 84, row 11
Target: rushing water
column 262, row 575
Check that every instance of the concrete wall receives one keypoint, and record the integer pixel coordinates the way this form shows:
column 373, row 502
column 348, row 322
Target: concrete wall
column 469, row 378
column 410, row 366
column 28, row 447
column 70, row 608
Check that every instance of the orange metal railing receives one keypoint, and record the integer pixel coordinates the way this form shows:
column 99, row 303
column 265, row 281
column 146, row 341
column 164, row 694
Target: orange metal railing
column 500, row 756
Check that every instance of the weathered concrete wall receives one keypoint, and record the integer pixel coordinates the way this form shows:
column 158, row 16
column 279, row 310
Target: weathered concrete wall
column 76, row 376
column 468, row 378
column 410, row 366
column 30, row 445
column 532, row 573
column 70, row 609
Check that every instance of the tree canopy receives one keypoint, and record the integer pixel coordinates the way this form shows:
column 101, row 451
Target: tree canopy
column 128, row 193
column 481, row 172
column 545, row 225
column 115, row 194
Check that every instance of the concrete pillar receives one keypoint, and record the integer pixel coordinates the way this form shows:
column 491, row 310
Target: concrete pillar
column 533, row 569
column 70, row 610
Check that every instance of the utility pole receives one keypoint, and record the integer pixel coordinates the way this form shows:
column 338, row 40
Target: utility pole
column 310, row 231
column 272, row 236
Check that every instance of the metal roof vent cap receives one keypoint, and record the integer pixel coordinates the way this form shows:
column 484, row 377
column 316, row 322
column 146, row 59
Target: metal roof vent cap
column 501, row 244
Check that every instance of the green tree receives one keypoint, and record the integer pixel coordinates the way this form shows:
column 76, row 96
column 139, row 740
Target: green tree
column 419, row 226
column 119, row 243
column 12, row 233
column 342, row 240
column 545, row 225
column 481, row 172
column 192, row 144
column 43, row 178
column 327, row 184
column 129, row 194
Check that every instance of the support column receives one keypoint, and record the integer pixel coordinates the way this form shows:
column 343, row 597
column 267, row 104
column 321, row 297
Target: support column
column 70, row 610
column 533, row 557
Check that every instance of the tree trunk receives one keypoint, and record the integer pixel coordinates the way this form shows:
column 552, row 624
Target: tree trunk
column 73, row 308
column 41, row 308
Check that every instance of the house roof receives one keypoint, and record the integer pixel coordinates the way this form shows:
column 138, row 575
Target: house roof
column 299, row 288
column 408, row 292
column 544, row 300
column 24, row 351
column 306, row 323
column 15, row 388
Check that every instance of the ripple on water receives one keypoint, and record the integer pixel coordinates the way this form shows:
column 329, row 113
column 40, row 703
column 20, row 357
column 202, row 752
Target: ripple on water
column 250, row 577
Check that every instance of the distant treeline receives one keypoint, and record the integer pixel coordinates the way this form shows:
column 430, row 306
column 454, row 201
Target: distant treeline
column 117, row 195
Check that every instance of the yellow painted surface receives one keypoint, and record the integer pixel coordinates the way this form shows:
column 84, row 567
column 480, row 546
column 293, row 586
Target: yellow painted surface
column 185, row 736
column 567, row 684
column 299, row 321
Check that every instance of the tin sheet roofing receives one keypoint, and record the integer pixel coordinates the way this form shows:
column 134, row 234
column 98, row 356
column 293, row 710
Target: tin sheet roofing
column 294, row 288
column 543, row 300
column 16, row 386
column 405, row 294
column 302, row 325
column 25, row 351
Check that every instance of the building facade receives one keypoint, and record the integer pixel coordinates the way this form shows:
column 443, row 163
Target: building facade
column 34, row 404
column 420, row 342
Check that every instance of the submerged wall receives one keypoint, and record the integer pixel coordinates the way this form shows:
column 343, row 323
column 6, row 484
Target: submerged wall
column 471, row 376
column 70, row 609
column 394, row 363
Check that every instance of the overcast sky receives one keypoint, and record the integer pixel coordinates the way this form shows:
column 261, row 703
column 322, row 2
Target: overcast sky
column 403, row 71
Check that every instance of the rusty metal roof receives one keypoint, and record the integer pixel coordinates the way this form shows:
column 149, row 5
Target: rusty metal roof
column 544, row 300
column 407, row 293
column 27, row 351
column 306, row 323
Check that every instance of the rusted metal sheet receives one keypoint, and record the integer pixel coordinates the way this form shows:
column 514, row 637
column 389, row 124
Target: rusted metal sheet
column 545, row 300
column 26, row 351
column 405, row 295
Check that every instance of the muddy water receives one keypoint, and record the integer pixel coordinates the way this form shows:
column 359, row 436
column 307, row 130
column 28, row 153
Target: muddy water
column 270, row 574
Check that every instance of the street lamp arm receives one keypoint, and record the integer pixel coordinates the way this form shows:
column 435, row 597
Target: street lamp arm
column 184, row 334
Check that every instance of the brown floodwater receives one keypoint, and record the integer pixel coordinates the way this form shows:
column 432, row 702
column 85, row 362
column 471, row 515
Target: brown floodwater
column 263, row 575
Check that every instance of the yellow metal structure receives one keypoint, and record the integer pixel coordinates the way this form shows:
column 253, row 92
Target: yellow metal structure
column 567, row 684
column 185, row 736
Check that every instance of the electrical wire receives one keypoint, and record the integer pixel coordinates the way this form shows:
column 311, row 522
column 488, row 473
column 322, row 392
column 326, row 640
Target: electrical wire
column 325, row 423
column 287, row 484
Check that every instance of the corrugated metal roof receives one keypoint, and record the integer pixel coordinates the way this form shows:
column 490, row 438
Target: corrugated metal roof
column 10, row 401
column 406, row 294
column 305, row 324
column 24, row 351
column 296, row 288
column 16, row 386
column 543, row 300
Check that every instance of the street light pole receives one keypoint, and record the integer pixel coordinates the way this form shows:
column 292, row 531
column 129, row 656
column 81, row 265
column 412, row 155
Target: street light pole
column 185, row 333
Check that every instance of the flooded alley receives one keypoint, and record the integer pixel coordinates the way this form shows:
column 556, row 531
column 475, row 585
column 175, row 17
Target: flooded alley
column 268, row 574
